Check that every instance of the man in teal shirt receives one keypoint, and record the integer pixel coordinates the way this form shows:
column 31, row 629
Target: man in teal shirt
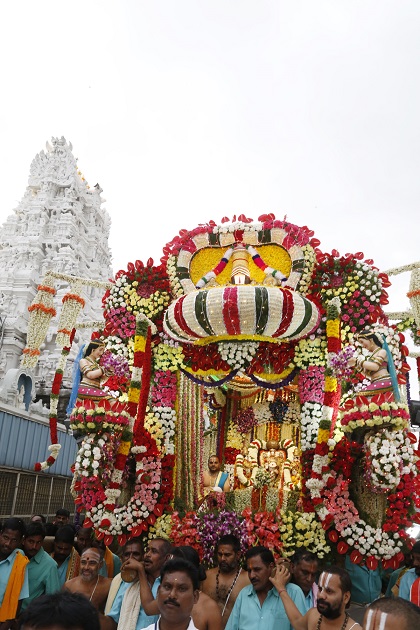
column 411, row 576
column 13, row 566
column 259, row 606
column 42, row 569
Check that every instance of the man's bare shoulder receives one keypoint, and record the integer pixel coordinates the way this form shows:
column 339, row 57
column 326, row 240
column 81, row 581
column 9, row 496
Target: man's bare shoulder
column 207, row 603
column 73, row 583
column 243, row 580
column 210, row 576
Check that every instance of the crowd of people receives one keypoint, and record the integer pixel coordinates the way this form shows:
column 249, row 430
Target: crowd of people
column 70, row 580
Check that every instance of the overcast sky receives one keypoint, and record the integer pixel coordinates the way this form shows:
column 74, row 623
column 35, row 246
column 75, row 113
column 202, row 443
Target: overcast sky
column 186, row 111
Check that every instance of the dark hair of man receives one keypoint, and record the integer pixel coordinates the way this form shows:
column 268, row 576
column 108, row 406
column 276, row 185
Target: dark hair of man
column 166, row 548
column 191, row 555
column 182, row 565
column 400, row 608
column 65, row 534
column 345, row 580
column 133, row 541
column 35, row 529
column 231, row 540
column 41, row 516
column 303, row 556
column 64, row 610
column 264, row 553
column 14, row 524
column 416, row 547
column 63, row 512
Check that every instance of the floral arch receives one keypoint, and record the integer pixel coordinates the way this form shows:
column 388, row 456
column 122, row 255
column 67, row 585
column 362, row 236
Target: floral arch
column 237, row 343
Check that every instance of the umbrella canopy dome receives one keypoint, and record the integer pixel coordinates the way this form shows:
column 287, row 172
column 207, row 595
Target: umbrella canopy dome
column 250, row 312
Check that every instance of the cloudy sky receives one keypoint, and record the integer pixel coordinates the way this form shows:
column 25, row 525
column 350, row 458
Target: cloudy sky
column 189, row 110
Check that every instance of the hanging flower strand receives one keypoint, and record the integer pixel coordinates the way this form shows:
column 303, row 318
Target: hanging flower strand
column 41, row 312
column 73, row 303
column 216, row 270
column 55, row 447
column 269, row 271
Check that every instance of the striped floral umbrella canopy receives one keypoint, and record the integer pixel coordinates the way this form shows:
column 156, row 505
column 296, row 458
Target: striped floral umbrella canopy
column 241, row 312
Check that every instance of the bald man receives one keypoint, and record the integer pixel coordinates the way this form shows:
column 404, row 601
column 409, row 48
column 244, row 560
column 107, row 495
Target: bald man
column 89, row 583
column 389, row 613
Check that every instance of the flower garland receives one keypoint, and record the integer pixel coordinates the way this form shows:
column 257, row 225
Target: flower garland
column 311, row 352
column 41, row 312
column 302, row 530
column 141, row 289
column 358, row 285
column 330, row 494
column 374, row 414
column 268, row 271
column 54, row 447
column 414, row 296
column 216, row 270
column 389, row 454
column 100, row 480
column 73, row 303
column 238, row 355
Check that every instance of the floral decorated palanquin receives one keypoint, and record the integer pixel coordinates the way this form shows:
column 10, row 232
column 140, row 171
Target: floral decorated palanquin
column 238, row 344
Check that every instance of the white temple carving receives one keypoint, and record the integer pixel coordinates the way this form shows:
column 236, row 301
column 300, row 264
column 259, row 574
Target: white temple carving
column 59, row 225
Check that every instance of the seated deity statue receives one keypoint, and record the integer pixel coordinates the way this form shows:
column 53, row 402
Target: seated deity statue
column 246, row 465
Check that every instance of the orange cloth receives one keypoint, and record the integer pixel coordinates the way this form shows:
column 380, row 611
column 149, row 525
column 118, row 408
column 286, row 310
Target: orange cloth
column 109, row 561
column 9, row 607
column 415, row 592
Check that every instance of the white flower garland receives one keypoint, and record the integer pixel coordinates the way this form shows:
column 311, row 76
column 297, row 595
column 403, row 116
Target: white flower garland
column 389, row 454
column 311, row 414
column 237, row 355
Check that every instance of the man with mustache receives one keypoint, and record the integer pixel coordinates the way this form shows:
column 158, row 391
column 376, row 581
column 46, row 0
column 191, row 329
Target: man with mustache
column 259, row 606
column 89, row 583
column 224, row 583
column 42, row 569
column 127, row 612
column 176, row 596
column 334, row 592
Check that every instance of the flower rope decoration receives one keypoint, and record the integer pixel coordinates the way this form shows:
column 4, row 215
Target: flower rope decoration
column 414, row 295
column 389, row 454
column 302, row 530
column 41, row 312
column 152, row 487
column 269, row 271
column 238, row 355
column 73, row 303
column 54, row 447
column 216, row 270
column 329, row 412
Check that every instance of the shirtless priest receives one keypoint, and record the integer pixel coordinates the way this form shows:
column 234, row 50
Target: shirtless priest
column 89, row 583
column 214, row 480
column 225, row 581
column 334, row 589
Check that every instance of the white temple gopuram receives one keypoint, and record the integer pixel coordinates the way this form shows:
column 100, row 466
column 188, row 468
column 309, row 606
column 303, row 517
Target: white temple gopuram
column 59, row 225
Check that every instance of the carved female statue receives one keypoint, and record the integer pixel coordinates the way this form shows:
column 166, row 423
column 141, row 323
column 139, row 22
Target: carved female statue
column 88, row 375
column 378, row 367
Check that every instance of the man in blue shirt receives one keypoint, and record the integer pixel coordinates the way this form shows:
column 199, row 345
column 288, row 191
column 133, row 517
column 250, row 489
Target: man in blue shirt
column 13, row 568
column 259, row 606
column 304, row 571
column 42, row 569
column 411, row 576
column 127, row 602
